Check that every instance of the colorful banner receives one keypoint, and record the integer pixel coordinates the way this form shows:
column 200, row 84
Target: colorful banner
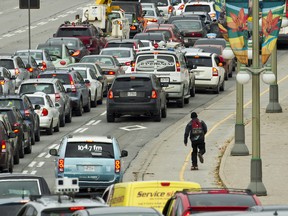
column 236, row 18
column 220, row 8
column 272, row 13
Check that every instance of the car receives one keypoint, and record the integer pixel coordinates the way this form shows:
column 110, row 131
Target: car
column 178, row 6
column 75, row 46
column 94, row 85
column 153, row 37
column 95, row 160
column 170, row 64
column 135, row 25
column 130, row 43
column 210, row 73
column 163, row 5
column 75, row 87
column 152, row 14
column 209, row 199
column 55, row 89
column 59, row 53
column 110, row 66
column 46, row 110
column 7, row 81
column 170, row 31
column 115, row 211
column 16, row 67
column 22, row 143
column 124, row 56
column 26, row 108
column 97, row 70
column 137, row 94
column 42, row 58
column 91, row 36
column 31, row 65
column 205, row 6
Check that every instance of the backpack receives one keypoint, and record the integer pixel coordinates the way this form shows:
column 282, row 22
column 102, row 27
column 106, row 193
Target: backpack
column 197, row 129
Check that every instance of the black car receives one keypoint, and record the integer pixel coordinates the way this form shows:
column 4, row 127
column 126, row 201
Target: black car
column 76, row 47
column 26, row 108
column 22, row 131
column 75, row 87
column 137, row 94
column 135, row 25
column 154, row 37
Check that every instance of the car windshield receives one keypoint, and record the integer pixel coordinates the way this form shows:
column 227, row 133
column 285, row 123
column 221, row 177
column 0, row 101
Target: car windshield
column 73, row 32
column 102, row 61
column 37, row 87
column 195, row 7
column 128, row 83
column 89, row 149
column 147, row 63
column 116, row 53
column 36, row 55
column 187, row 25
column 64, row 78
column 37, row 100
column 12, row 102
column 19, row 187
column 7, row 63
column 200, row 60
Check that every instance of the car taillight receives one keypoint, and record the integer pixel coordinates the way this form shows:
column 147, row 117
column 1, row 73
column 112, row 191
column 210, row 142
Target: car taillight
column 57, row 97
column 178, row 68
column 3, row 146
column 181, row 7
column 111, row 72
column 133, row 27
column 60, row 165
column 76, row 53
column 186, row 212
column 214, row 71
column 170, row 9
column 212, row 15
column 153, row 20
column 127, row 63
column 165, row 184
column 17, row 71
column 44, row 66
column 26, row 112
column 76, row 208
column 132, row 66
column 2, row 82
column 73, row 87
column 117, row 166
column 196, row 34
column 16, row 127
column 154, row 94
column 63, row 62
column 44, row 112
column 110, row 94
column 30, row 69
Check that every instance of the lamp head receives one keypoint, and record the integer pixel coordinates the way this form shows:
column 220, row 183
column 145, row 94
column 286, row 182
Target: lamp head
column 268, row 76
column 243, row 76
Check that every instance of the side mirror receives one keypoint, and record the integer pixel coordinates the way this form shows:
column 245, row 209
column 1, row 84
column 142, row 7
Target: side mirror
column 99, row 78
column 53, row 152
column 13, row 77
column 68, row 90
column 40, row 64
column 87, row 81
column 57, row 105
column 12, row 135
column 124, row 153
column 71, row 52
column 37, row 107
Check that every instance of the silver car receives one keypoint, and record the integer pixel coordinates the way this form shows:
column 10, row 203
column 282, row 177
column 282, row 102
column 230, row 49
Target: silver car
column 7, row 81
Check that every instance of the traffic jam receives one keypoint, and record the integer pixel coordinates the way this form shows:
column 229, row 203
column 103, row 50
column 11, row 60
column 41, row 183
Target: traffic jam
column 135, row 61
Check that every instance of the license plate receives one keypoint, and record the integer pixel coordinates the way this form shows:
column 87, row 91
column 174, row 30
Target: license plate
column 131, row 94
column 165, row 79
column 89, row 168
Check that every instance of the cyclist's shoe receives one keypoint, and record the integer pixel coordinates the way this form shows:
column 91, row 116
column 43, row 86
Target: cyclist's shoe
column 200, row 156
column 194, row 167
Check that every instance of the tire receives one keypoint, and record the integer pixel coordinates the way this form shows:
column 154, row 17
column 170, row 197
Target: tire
column 222, row 87
column 186, row 100
column 62, row 119
column 110, row 117
column 11, row 165
column 57, row 128
column 164, row 111
column 192, row 91
column 28, row 149
column 94, row 103
column 217, row 89
column 37, row 134
column 79, row 111
column 87, row 108
column 157, row 117
column 16, row 157
column 99, row 102
column 68, row 117
column 21, row 149
column 180, row 102
column 32, row 138
column 226, row 76
column 49, row 130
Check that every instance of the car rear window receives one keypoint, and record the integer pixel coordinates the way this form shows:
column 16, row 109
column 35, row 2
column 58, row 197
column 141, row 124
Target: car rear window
column 37, row 100
column 147, row 63
column 7, row 63
column 200, row 60
column 10, row 115
column 116, row 53
column 64, row 78
column 98, row 60
column 73, row 32
column 158, row 2
column 195, row 7
column 89, row 149
column 12, row 188
column 52, row 50
column 167, row 33
column 221, row 200
column 216, row 50
column 35, row 55
column 211, row 41
column 37, row 87
column 187, row 25
column 18, row 103
column 137, row 83
column 128, row 45
column 152, row 37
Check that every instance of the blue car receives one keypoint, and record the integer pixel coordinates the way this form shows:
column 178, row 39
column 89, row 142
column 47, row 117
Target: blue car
column 95, row 160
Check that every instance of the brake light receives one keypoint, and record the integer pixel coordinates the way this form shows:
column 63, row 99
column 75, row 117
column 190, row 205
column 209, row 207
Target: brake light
column 63, row 62
column 30, row 69
column 57, row 97
column 110, row 94
column 170, row 9
column 154, row 94
column 214, row 71
column 111, row 72
column 73, row 87
column 181, row 7
column 186, row 213
column 17, row 71
column 15, row 126
column 3, row 146
column 61, row 165
column 117, row 166
column 165, row 184
column 76, row 53
column 127, row 63
column 2, row 82
column 26, row 113
column 76, row 208
column 132, row 66
column 44, row 66
column 133, row 27
column 44, row 112
column 196, row 34
column 153, row 20
column 178, row 68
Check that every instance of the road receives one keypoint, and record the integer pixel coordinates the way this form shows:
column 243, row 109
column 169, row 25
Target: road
column 143, row 138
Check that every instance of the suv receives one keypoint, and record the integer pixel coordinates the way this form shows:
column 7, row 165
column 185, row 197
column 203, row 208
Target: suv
column 163, row 5
column 188, row 202
column 171, row 65
column 134, row 94
column 75, row 87
column 16, row 67
column 55, row 89
column 95, row 160
column 205, row 6
column 210, row 73
column 91, row 36
column 25, row 106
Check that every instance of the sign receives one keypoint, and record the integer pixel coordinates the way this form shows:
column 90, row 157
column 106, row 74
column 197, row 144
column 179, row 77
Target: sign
column 24, row 4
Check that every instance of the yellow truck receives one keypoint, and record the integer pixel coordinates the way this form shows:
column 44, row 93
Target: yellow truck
column 145, row 193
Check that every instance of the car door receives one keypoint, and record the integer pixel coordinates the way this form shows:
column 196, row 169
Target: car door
column 53, row 109
column 82, row 87
column 64, row 98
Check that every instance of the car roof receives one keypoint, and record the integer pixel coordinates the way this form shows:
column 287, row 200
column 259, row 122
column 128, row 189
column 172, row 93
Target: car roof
column 123, row 41
column 204, row 54
column 121, row 209
column 39, row 80
column 134, row 75
column 105, row 139
column 31, row 50
column 118, row 48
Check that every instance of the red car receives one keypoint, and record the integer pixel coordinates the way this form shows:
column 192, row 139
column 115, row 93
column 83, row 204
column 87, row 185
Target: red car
column 187, row 202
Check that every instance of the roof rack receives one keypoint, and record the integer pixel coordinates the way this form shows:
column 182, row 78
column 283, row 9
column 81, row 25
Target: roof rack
column 228, row 190
column 200, row 1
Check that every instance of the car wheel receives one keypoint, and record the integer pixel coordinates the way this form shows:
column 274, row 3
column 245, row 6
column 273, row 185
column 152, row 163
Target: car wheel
column 11, row 165
column 32, row 138
column 222, row 87
column 110, row 117
column 87, row 108
column 68, row 117
column 17, row 156
column 101, row 100
column 21, row 149
column 180, row 102
column 62, row 119
column 79, row 111
column 57, row 128
column 226, row 76
column 217, row 89
column 94, row 102
column 192, row 91
column 164, row 111
column 37, row 134
column 49, row 130
column 28, row 149
column 158, row 116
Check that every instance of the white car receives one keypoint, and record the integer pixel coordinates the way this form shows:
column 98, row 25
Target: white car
column 94, row 85
column 7, row 81
column 46, row 110
column 163, row 5
column 204, row 6
column 178, row 6
column 210, row 73
column 124, row 55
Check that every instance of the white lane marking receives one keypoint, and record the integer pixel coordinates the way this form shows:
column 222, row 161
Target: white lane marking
column 52, row 19
column 63, row 15
column 79, row 129
column 40, row 164
column 97, row 122
column 48, row 156
column 53, row 146
column 33, row 172
column 19, row 31
column 84, row 129
column 79, row 8
column 71, row 12
column 104, row 113
column 8, row 35
column 132, row 127
column 90, row 122
column 42, row 23
column 42, row 154
column 32, row 164
column 25, row 171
